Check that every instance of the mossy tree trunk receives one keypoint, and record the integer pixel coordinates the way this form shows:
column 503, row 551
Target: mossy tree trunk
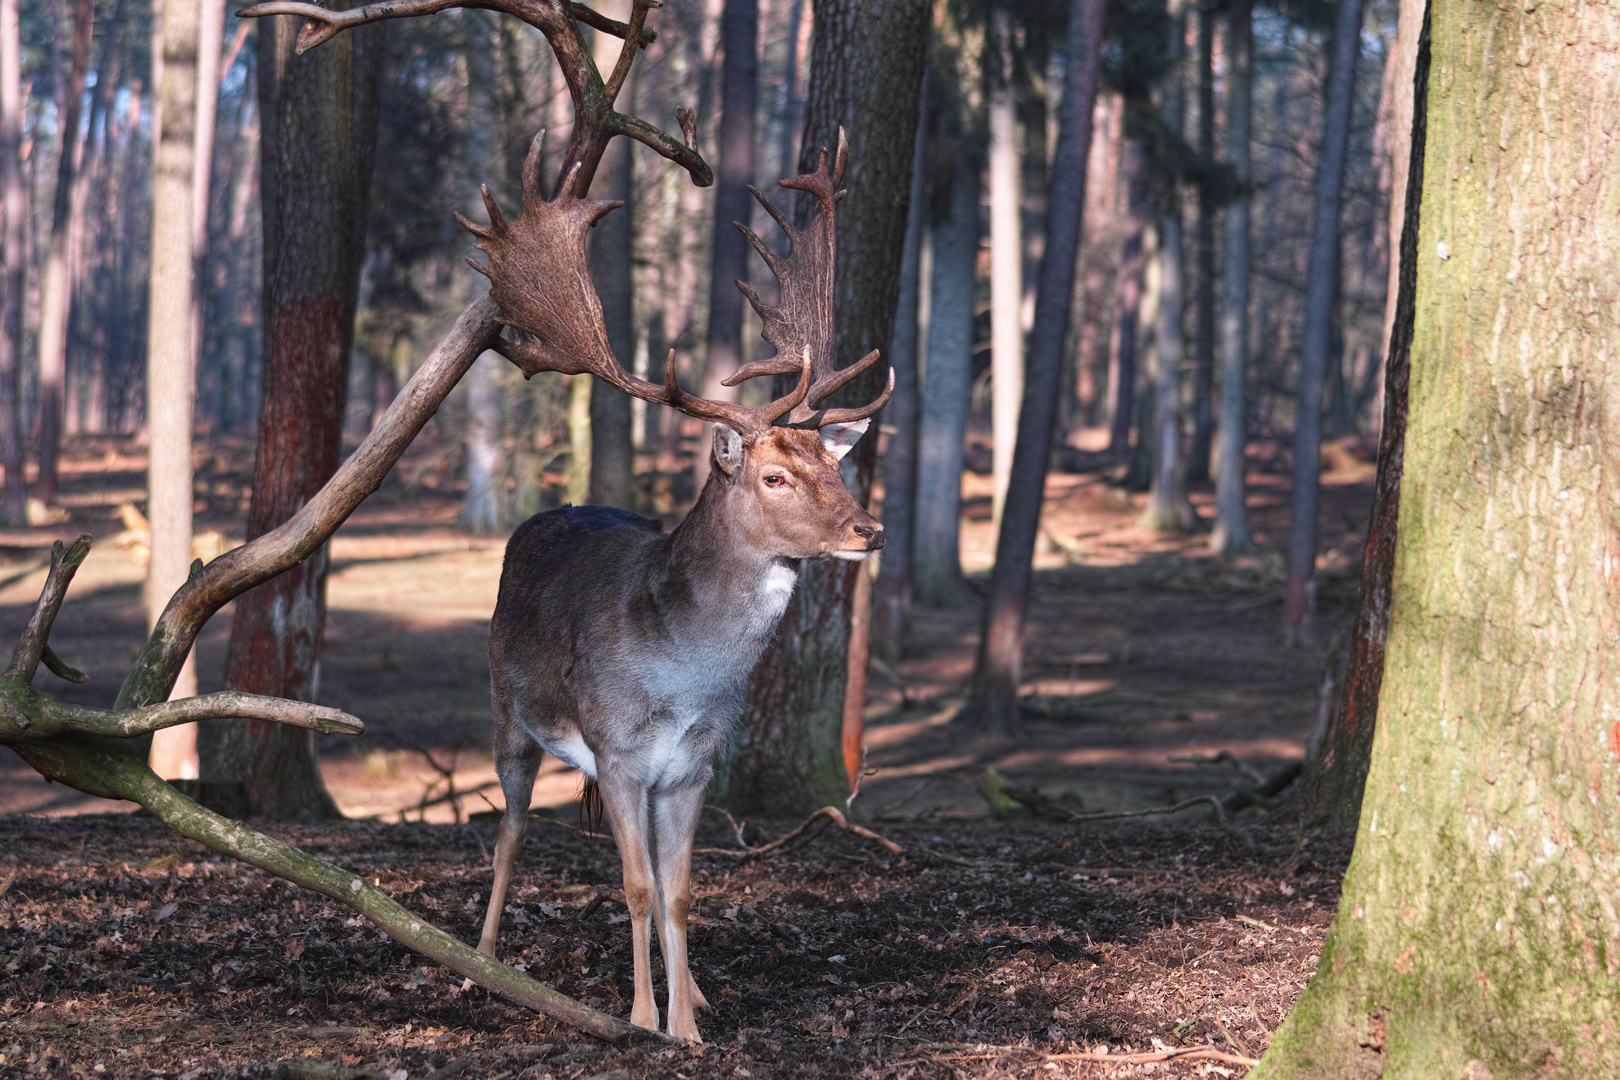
column 1478, row 935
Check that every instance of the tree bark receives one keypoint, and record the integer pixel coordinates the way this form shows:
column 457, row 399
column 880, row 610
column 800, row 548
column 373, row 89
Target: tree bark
column 865, row 74
column 170, row 352
column 1127, row 302
column 1320, row 273
column 1403, row 60
column 1476, row 930
column 1204, row 241
column 1231, row 533
column 13, row 205
column 891, row 593
column 318, row 115
column 1336, row 773
column 1006, row 261
column 56, row 290
column 937, row 576
column 739, row 93
column 611, row 259
column 993, row 702
column 1167, row 507
column 481, row 512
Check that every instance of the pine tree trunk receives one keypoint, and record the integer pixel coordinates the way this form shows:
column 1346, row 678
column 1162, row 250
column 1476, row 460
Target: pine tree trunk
column 1122, row 350
column 611, row 259
column 56, row 290
column 480, row 512
column 865, row 73
column 1231, row 533
column 993, row 702
column 13, row 205
column 169, row 354
column 1167, row 506
column 937, row 574
column 891, row 593
column 1336, row 772
column 739, row 92
column 1006, row 262
column 1315, row 338
column 1476, row 933
column 1204, row 241
column 318, row 114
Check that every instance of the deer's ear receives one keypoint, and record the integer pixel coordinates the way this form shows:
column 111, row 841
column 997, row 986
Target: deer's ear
column 838, row 438
column 728, row 449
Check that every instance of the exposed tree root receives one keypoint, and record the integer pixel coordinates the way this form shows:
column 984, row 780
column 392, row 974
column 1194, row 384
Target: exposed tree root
column 817, row 821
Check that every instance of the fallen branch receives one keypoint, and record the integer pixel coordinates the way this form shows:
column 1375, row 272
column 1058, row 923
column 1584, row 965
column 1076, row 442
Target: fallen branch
column 827, row 814
column 1150, row 1057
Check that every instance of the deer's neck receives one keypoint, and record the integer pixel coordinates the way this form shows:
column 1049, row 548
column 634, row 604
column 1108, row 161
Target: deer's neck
column 737, row 587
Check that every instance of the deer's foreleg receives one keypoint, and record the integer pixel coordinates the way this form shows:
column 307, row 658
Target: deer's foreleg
column 625, row 802
column 676, row 815
column 517, row 761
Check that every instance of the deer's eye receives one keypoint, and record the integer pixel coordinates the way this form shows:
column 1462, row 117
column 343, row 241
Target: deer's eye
column 775, row 480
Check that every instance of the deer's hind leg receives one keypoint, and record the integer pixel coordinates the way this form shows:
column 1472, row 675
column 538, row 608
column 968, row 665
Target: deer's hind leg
column 517, row 762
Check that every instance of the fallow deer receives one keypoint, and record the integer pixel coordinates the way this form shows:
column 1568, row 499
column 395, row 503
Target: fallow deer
column 623, row 650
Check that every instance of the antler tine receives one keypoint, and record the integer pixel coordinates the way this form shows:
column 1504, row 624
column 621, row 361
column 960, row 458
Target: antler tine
column 531, row 168
column 849, row 416
column 745, row 421
column 828, row 385
column 770, row 208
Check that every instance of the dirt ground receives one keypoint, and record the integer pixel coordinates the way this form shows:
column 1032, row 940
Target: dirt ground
column 989, row 947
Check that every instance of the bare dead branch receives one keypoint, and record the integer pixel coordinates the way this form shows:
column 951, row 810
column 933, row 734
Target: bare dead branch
column 261, row 559
column 35, row 639
column 830, row 813
column 43, row 717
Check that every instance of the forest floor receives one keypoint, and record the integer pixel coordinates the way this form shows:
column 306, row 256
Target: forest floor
column 988, row 947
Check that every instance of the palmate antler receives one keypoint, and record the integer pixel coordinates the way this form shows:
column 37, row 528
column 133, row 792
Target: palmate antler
column 542, row 289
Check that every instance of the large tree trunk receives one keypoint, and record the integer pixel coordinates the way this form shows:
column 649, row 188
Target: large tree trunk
column 1006, row 261
column 1231, row 533
column 891, row 593
column 170, row 351
column 1167, row 506
column 937, row 576
column 865, row 74
column 1476, row 933
column 56, row 291
column 611, row 259
column 993, row 704
column 318, row 114
column 1315, row 338
column 1336, row 772
column 13, row 205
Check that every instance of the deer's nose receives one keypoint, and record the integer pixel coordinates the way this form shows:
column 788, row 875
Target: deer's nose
column 872, row 534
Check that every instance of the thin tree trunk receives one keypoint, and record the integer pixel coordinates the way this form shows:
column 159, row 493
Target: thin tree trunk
column 892, row 590
column 169, row 353
column 210, row 42
column 1168, row 508
column 937, row 576
column 56, row 292
column 611, row 259
column 1336, row 769
column 318, row 113
column 1198, row 455
column 1475, row 935
column 1006, row 261
column 578, row 492
column 865, row 74
column 792, row 105
column 1231, row 533
column 1321, row 271
column 1122, row 349
column 13, row 495
column 993, row 704
column 739, row 92
column 480, row 512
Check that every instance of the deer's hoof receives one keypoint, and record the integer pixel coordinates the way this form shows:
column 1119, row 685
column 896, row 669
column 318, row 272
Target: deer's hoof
column 686, row 1030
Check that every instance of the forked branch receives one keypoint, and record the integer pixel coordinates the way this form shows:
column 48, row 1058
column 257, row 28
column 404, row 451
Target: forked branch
column 595, row 121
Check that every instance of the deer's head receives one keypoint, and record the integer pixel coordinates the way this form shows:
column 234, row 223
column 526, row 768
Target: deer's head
column 776, row 466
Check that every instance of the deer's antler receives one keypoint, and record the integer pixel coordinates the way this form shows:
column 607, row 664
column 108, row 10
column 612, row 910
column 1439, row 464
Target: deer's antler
column 801, row 323
column 542, row 288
